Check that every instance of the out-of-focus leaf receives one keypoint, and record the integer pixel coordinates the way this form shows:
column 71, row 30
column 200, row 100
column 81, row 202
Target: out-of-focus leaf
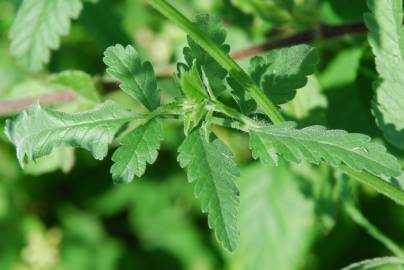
column 162, row 220
column 387, row 40
column 277, row 220
column 376, row 263
column 82, row 84
column 38, row 28
column 61, row 158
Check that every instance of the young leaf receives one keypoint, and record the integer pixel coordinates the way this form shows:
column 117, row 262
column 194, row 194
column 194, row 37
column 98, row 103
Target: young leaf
column 386, row 38
column 210, row 166
column 138, row 148
column 213, row 28
column 281, row 72
column 316, row 144
column 38, row 27
column 36, row 131
column 137, row 77
column 192, row 85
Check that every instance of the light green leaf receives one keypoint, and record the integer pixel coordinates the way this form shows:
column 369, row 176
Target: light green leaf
column 138, row 147
column 215, row 73
column 386, row 39
column 172, row 229
column 80, row 82
column 278, row 11
column 277, row 220
column 36, row 131
column 210, row 166
column 316, row 144
column 281, row 72
column 38, row 28
column 137, row 77
column 192, row 86
column 375, row 263
column 193, row 117
column 60, row 159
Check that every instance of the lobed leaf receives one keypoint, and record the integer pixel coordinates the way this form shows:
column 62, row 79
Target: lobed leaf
column 281, row 72
column 386, row 40
column 210, row 166
column 38, row 27
column 137, row 78
column 138, row 147
column 316, row 144
column 215, row 73
column 37, row 131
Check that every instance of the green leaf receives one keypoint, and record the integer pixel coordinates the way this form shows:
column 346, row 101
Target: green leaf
column 316, row 144
column 375, row 263
column 192, row 86
column 277, row 219
column 138, row 147
column 80, row 82
column 36, row 131
column 210, row 166
column 215, row 73
column 281, row 72
column 275, row 11
column 38, row 28
column 172, row 229
column 60, row 159
column 386, row 39
column 137, row 77
column 244, row 100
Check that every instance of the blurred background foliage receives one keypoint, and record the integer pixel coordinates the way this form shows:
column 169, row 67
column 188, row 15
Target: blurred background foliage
column 63, row 212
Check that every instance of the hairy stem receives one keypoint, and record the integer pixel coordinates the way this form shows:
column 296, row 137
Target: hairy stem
column 376, row 183
column 222, row 58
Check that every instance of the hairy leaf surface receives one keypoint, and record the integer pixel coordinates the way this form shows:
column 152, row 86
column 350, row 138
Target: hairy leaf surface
column 36, row 131
column 386, row 39
column 210, row 166
column 213, row 28
column 316, row 144
column 38, row 28
column 137, row 77
column 281, row 72
column 138, row 147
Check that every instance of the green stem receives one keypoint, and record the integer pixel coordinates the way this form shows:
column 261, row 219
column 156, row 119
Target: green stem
column 362, row 221
column 376, row 183
column 222, row 108
column 259, row 96
column 222, row 58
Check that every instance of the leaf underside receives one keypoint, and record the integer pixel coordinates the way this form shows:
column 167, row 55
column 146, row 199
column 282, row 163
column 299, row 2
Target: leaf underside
column 37, row 131
column 316, row 144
